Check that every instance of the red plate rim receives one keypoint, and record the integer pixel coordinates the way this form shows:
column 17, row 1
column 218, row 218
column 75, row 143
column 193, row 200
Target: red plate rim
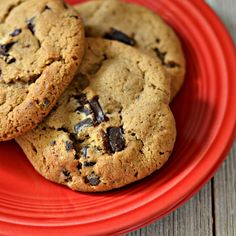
column 185, row 187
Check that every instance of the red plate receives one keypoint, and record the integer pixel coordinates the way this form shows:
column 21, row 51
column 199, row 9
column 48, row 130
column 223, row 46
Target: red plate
column 205, row 113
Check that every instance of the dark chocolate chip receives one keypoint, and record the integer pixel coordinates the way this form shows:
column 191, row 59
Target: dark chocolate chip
column 119, row 36
column 87, row 164
column 5, row 48
column 10, row 60
column 84, row 151
column 92, row 179
column 160, row 55
column 84, row 110
column 84, row 123
column 63, row 129
column 46, row 8
column 66, row 173
column 81, row 98
column 79, row 166
column 116, row 139
column 97, row 110
column 69, row 146
column 73, row 16
column 171, row 64
column 30, row 25
column 15, row 32
column 161, row 153
column 53, row 143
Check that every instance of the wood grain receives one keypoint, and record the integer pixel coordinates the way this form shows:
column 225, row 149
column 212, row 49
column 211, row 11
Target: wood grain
column 224, row 193
column 212, row 211
column 195, row 217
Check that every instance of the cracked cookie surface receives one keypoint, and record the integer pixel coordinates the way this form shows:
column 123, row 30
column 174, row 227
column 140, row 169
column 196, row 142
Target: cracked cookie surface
column 111, row 127
column 41, row 47
column 138, row 27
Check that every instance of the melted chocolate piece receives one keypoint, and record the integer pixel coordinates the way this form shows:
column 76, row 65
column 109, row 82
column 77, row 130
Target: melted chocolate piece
column 87, row 164
column 160, row 55
column 10, row 60
column 69, row 146
column 30, row 25
column 79, row 166
column 171, row 64
column 46, row 8
column 116, row 139
column 67, row 175
column 92, row 179
column 15, row 32
column 84, row 123
column 97, row 110
column 119, row 36
column 5, row 48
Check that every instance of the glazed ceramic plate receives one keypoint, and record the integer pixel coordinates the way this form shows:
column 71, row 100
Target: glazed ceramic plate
column 205, row 114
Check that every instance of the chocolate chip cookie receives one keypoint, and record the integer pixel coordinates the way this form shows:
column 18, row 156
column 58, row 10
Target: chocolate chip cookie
column 112, row 126
column 41, row 46
column 138, row 27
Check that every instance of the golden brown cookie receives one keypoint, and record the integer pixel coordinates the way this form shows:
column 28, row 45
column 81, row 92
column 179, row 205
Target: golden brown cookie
column 41, row 47
column 111, row 127
column 138, row 27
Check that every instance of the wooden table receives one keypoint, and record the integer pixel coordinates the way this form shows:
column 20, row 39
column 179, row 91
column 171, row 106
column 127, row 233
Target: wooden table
column 213, row 210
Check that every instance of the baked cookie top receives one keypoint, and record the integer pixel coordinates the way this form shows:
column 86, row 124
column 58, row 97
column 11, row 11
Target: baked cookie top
column 139, row 27
column 112, row 126
column 41, row 47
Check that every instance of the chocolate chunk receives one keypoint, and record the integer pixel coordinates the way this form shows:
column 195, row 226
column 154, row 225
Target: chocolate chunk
column 171, row 64
column 161, row 153
column 81, row 98
column 5, row 48
column 87, row 164
column 119, row 36
column 69, row 146
column 84, row 123
column 160, row 55
column 67, row 175
column 92, row 179
column 97, row 110
column 84, row 110
column 79, row 166
column 116, row 139
column 73, row 16
column 15, row 32
column 46, row 8
column 84, row 151
column 30, row 25
column 10, row 60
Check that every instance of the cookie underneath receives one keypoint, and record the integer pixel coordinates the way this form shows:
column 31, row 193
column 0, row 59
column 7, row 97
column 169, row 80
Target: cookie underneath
column 111, row 127
column 138, row 27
